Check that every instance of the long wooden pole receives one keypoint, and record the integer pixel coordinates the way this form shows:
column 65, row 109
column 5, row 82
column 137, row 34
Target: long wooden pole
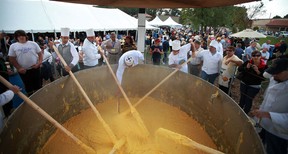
column 158, row 85
column 132, row 109
column 49, row 118
column 106, row 127
column 181, row 139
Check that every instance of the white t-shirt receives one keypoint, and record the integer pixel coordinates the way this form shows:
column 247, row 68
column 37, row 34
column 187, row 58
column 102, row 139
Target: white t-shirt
column 122, row 66
column 265, row 56
column 211, row 63
column 26, row 53
column 180, row 57
column 220, row 49
column 47, row 56
column 196, row 60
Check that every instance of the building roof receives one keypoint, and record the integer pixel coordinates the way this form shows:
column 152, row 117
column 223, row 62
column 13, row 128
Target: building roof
column 278, row 23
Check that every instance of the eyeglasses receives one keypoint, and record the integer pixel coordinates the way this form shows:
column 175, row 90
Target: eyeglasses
column 256, row 55
column 229, row 50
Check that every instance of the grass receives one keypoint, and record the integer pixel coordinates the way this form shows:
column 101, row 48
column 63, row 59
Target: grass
column 274, row 40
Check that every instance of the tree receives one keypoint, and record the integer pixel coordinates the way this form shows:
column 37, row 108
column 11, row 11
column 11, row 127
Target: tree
column 255, row 28
column 229, row 16
column 256, row 10
column 276, row 17
column 286, row 16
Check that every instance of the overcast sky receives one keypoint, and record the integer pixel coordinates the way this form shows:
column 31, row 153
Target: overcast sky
column 273, row 8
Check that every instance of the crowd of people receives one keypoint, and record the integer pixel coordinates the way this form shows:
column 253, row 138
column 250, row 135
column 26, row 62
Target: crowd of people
column 210, row 56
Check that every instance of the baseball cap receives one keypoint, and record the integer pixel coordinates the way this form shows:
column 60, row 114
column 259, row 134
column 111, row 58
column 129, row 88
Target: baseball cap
column 278, row 66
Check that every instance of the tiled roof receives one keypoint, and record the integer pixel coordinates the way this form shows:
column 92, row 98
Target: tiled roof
column 278, row 22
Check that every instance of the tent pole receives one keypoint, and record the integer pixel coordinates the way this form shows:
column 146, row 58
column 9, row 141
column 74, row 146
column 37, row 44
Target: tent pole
column 141, row 30
column 33, row 39
column 55, row 35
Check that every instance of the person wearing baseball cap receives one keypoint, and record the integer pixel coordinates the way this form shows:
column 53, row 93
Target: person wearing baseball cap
column 273, row 112
column 156, row 51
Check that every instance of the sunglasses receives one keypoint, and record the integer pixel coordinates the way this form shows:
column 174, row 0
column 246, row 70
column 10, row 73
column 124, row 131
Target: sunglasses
column 256, row 55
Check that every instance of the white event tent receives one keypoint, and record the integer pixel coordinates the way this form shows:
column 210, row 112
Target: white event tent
column 50, row 16
column 171, row 22
column 156, row 22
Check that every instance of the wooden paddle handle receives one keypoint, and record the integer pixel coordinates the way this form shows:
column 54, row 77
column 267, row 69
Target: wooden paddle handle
column 132, row 109
column 184, row 140
column 47, row 116
column 160, row 83
column 106, row 126
column 115, row 78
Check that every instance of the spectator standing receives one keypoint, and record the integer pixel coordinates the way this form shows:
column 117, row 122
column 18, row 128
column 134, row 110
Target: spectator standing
column 239, row 51
column 195, row 63
column 26, row 57
column 250, row 85
column 156, row 51
column 220, row 49
column 165, row 45
column 46, row 67
column 283, row 47
column 228, row 68
column 265, row 54
column 267, row 45
column 128, row 45
column 248, row 51
column 113, row 48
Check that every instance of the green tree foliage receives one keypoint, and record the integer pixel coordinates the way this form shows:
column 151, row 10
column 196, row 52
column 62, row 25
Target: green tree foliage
column 286, row 16
column 276, row 17
column 256, row 28
column 230, row 16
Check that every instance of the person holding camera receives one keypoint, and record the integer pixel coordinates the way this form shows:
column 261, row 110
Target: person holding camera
column 252, row 76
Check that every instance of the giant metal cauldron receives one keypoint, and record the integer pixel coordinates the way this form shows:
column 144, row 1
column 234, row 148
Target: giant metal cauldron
column 27, row 131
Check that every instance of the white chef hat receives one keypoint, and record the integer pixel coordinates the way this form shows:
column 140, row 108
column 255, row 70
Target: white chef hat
column 65, row 31
column 129, row 61
column 90, row 32
column 214, row 44
column 176, row 45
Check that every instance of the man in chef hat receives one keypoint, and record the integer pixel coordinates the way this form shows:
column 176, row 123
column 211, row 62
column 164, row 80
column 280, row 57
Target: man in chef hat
column 90, row 51
column 128, row 60
column 68, row 52
column 212, row 61
column 178, row 56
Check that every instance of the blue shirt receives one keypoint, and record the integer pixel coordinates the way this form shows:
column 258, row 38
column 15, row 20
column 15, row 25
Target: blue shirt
column 239, row 52
column 248, row 51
